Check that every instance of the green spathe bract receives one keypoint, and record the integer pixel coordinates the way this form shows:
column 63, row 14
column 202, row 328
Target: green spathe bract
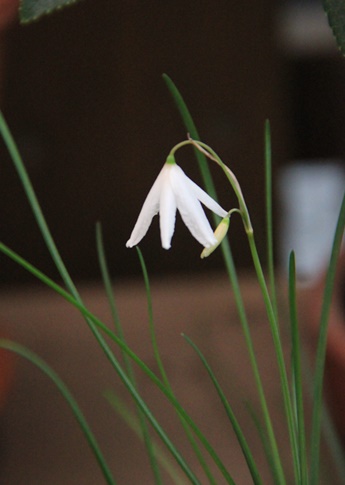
column 220, row 233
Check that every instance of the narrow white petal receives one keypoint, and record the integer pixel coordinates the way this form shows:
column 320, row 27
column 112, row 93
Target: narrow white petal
column 190, row 208
column 149, row 209
column 167, row 214
column 206, row 199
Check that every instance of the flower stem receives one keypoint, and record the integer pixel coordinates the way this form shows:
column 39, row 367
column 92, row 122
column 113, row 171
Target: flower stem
column 279, row 352
column 200, row 153
column 271, row 313
column 210, row 153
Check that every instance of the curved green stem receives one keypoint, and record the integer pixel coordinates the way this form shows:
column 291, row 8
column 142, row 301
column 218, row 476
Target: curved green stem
column 178, row 146
column 210, row 153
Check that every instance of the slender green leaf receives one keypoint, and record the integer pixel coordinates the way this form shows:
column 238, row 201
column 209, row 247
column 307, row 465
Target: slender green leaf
column 232, row 418
column 53, row 376
column 269, row 216
column 278, row 347
column 30, row 10
column 50, row 243
column 192, row 130
column 232, row 273
column 131, row 420
column 151, row 320
column 145, row 434
column 162, row 371
column 272, row 317
column 90, row 317
column 107, row 281
column 297, row 381
column 74, row 297
column 34, row 204
column 335, row 10
column 335, row 447
column 321, row 348
column 265, row 443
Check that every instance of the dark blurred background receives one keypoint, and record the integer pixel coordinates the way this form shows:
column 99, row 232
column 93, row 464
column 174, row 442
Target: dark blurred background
column 82, row 91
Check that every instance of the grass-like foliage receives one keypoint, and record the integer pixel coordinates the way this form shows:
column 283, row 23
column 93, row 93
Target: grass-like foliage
column 162, row 453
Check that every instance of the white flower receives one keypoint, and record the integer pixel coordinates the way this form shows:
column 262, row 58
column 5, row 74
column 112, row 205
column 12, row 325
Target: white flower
column 174, row 190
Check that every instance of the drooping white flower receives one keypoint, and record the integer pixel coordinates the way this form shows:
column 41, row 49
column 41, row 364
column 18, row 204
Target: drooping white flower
column 171, row 191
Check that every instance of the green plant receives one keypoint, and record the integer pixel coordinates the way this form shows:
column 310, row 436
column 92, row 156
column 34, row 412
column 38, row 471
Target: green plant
column 305, row 468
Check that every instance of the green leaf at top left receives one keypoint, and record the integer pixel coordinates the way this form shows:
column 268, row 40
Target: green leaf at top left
column 30, row 10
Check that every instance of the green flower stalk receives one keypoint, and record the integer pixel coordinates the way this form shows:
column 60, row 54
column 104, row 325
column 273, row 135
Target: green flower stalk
column 243, row 210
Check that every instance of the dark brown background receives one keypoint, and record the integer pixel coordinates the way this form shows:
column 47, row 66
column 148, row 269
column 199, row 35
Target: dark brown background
column 84, row 96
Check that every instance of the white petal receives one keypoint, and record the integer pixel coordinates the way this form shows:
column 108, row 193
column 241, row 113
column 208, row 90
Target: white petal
column 149, row 209
column 190, row 208
column 206, row 199
column 167, row 214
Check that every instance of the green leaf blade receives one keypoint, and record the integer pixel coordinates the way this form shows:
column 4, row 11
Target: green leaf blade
column 335, row 10
column 65, row 392
column 31, row 10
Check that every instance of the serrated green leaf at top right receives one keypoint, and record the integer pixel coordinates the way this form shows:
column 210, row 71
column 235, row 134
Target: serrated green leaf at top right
column 335, row 10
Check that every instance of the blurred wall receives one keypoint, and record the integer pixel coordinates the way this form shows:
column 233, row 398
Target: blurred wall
column 84, row 97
